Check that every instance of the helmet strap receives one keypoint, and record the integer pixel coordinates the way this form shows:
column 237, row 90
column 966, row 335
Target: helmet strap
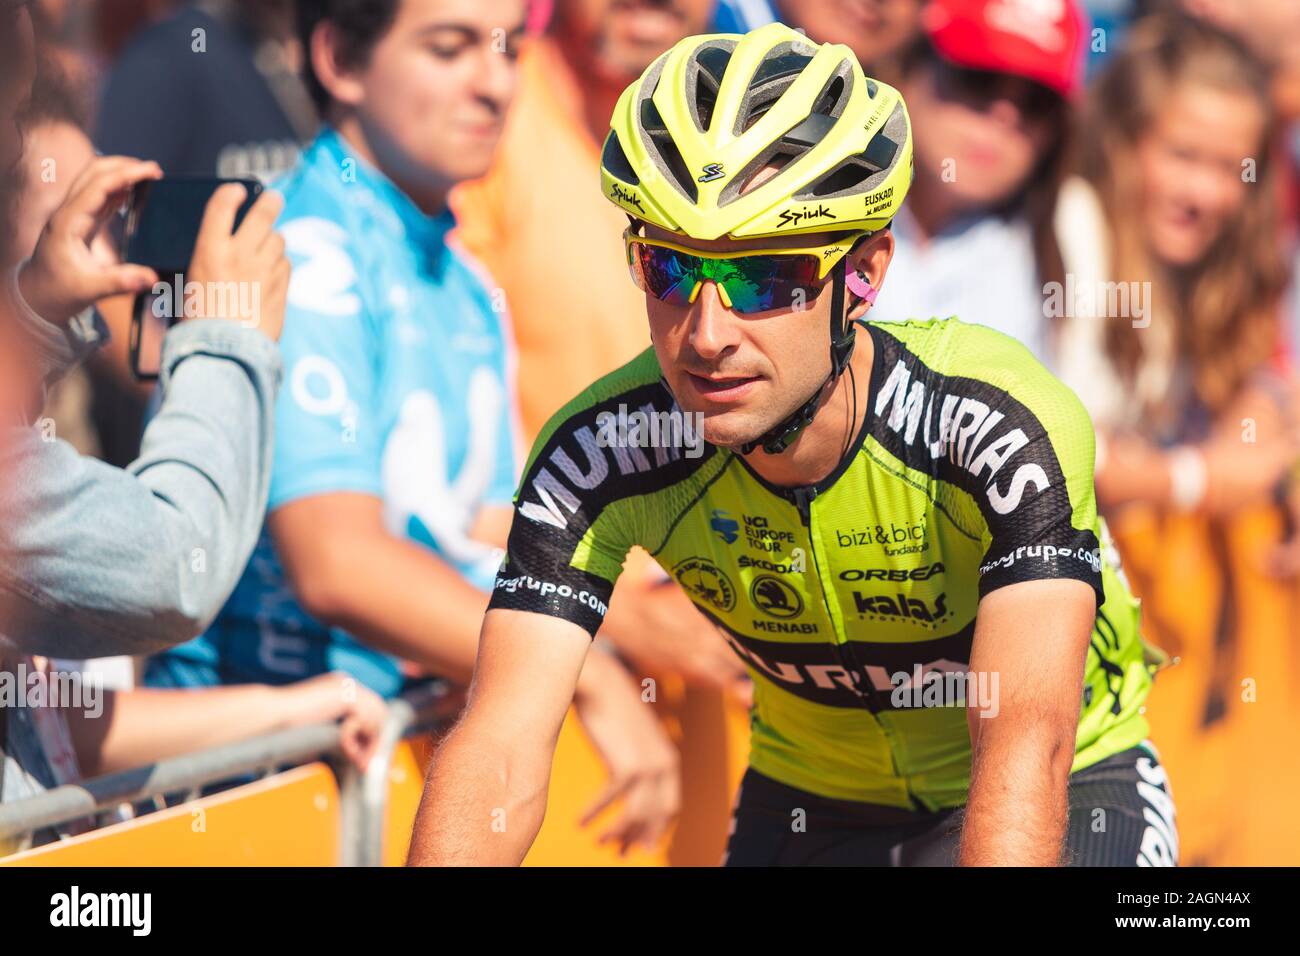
column 782, row 435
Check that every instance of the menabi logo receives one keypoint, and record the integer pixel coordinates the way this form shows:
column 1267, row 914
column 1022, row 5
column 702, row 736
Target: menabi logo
column 727, row 527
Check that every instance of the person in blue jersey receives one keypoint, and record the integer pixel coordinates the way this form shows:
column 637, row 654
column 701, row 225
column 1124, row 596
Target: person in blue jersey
column 395, row 460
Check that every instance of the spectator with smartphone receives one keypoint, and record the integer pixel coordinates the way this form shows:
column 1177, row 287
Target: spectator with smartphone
column 95, row 560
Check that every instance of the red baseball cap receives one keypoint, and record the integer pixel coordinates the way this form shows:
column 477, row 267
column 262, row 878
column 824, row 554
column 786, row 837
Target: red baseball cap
column 1041, row 40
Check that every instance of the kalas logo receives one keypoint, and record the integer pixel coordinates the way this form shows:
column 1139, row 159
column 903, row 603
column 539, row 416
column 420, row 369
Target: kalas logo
column 727, row 528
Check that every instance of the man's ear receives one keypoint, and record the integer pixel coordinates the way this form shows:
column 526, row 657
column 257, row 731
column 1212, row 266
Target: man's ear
column 329, row 63
column 870, row 261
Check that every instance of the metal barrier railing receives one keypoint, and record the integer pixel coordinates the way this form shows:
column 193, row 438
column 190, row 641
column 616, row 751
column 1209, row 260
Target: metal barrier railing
column 362, row 795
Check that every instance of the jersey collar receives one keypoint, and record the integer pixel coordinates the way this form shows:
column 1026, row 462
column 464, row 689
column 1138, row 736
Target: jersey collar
column 428, row 232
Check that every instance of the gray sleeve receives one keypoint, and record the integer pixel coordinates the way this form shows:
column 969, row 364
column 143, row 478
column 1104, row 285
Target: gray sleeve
column 95, row 560
column 55, row 350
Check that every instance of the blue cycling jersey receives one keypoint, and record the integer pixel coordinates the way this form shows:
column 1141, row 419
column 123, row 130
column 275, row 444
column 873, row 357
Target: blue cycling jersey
column 395, row 386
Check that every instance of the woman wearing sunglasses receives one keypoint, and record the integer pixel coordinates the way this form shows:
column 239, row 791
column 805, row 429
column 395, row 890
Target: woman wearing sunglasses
column 988, row 84
column 893, row 525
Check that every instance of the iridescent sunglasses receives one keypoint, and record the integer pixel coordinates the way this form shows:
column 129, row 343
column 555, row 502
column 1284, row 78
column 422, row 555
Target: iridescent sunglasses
column 747, row 282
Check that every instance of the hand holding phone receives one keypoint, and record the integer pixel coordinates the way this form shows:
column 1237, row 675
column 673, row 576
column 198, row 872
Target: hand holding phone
column 68, row 271
column 249, row 264
column 214, row 245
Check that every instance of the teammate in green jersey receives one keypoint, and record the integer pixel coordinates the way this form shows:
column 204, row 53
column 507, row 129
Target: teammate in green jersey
column 901, row 541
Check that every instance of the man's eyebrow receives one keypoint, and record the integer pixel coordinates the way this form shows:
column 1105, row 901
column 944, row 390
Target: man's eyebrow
column 466, row 31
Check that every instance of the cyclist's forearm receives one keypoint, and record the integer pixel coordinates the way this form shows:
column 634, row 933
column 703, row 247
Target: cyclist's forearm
column 482, row 805
column 1017, row 809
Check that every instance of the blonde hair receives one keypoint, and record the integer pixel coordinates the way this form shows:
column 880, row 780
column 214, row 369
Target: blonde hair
column 1221, row 313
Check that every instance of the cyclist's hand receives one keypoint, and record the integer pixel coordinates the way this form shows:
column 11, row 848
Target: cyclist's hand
column 69, row 270
column 642, row 762
column 250, row 264
column 660, row 631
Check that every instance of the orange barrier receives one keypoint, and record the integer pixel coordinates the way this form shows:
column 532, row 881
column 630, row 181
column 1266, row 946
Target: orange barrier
column 293, row 818
column 1224, row 719
column 289, row 819
column 713, row 739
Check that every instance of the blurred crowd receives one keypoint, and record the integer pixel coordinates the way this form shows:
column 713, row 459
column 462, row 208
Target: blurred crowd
column 1115, row 183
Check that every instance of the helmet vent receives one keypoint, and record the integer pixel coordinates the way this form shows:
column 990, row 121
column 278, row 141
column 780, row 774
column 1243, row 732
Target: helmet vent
column 828, row 107
column 772, row 77
column 615, row 160
column 830, row 98
column 703, row 77
column 880, row 152
column 865, row 171
column 662, row 149
column 844, row 178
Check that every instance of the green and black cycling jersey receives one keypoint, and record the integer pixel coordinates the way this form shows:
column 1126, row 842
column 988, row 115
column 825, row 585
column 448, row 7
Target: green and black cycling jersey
column 852, row 600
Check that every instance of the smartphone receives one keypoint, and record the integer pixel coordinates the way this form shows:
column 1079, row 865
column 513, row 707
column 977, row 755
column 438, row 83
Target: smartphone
column 163, row 219
column 161, row 230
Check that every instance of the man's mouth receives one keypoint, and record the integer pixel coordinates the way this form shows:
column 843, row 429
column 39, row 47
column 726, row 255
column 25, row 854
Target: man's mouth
column 722, row 388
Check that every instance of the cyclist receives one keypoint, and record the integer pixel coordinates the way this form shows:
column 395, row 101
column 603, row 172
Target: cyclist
column 900, row 540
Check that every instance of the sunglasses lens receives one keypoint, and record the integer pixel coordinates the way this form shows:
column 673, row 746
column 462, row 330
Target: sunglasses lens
column 753, row 283
column 665, row 273
column 762, row 283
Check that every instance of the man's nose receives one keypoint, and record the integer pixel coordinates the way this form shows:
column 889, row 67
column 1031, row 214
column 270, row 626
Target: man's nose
column 714, row 327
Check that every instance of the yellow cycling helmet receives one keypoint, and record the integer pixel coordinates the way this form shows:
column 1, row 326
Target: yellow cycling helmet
column 689, row 135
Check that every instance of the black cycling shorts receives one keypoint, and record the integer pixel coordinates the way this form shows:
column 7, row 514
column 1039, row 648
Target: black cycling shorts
column 1121, row 814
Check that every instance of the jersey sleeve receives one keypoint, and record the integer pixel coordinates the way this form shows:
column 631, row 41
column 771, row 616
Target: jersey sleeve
column 571, row 530
column 327, row 433
column 1040, row 505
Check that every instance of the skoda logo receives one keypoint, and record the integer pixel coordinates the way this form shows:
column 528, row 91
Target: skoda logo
column 775, row 598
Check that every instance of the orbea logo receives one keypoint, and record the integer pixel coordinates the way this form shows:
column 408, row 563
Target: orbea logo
column 239, row 301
